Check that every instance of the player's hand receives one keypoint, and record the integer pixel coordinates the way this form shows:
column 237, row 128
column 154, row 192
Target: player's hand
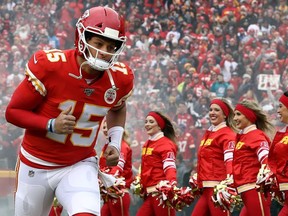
column 65, row 122
column 112, row 156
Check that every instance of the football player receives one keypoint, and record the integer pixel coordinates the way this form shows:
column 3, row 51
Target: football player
column 61, row 103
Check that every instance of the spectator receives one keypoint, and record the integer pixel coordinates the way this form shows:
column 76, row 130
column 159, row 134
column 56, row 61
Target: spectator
column 230, row 95
column 228, row 65
column 66, row 14
column 190, row 101
column 220, row 86
column 245, row 85
column 184, row 118
column 186, row 145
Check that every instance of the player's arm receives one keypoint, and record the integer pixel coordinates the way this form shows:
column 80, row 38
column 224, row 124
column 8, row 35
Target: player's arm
column 115, row 118
column 21, row 106
column 21, row 111
column 118, row 170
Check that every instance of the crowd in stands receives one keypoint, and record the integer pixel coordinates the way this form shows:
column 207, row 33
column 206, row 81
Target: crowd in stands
column 183, row 53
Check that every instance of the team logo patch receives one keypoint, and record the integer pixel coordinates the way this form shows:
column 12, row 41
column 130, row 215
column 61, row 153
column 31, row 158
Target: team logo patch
column 264, row 144
column 31, row 173
column 86, row 14
column 88, row 92
column 110, row 96
column 171, row 155
column 231, row 145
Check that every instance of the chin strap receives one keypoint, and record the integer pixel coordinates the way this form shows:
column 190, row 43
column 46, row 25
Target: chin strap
column 111, row 80
column 108, row 72
column 80, row 72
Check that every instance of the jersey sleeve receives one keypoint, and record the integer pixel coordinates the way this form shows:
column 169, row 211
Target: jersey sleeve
column 124, row 80
column 263, row 151
column 260, row 143
column 36, row 71
column 169, row 161
column 28, row 96
column 228, row 149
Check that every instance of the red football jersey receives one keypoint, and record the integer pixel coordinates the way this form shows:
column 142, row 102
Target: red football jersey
column 124, row 166
column 186, row 146
column 51, row 86
column 185, row 119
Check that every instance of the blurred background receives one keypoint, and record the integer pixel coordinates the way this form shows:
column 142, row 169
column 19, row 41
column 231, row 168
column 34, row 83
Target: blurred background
column 183, row 53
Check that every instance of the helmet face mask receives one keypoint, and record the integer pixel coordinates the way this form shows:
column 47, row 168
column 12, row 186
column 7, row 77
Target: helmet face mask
column 104, row 23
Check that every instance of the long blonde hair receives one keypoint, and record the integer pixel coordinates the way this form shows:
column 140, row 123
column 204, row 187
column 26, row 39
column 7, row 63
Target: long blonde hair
column 229, row 119
column 262, row 121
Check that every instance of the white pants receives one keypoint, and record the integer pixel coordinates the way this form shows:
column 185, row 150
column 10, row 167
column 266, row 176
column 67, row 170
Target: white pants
column 76, row 188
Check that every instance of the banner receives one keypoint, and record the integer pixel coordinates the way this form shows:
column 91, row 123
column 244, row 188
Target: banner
column 268, row 81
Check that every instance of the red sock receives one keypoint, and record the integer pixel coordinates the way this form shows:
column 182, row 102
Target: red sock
column 56, row 211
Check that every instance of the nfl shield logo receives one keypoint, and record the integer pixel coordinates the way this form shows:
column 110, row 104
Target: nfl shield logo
column 31, row 173
column 88, row 92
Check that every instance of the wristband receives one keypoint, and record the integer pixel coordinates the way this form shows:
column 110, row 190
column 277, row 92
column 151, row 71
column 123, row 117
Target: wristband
column 115, row 135
column 50, row 125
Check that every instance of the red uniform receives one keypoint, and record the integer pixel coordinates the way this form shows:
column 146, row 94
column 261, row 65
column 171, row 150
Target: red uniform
column 123, row 169
column 61, row 104
column 184, row 119
column 250, row 152
column 90, row 103
column 158, row 163
column 215, row 156
column 56, row 210
column 218, row 145
column 278, row 162
column 186, row 146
